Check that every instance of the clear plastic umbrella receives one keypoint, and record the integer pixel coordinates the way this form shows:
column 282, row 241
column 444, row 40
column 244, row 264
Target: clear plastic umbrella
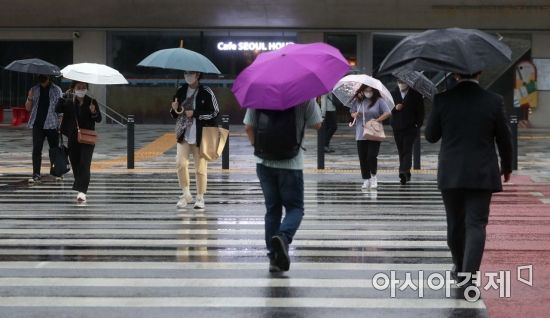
column 418, row 82
column 346, row 88
column 93, row 73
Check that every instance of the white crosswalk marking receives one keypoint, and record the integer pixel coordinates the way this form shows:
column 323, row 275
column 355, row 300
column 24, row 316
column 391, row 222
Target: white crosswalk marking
column 129, row 247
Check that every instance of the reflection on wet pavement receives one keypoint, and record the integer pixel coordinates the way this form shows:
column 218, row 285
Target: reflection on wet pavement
column 129, row 252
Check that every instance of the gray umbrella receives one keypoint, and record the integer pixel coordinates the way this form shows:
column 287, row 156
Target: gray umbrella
column 418, row 82
column 464, row 51
column 34, row 66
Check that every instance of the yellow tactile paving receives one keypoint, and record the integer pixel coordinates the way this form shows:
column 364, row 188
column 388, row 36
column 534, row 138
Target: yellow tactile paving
column 149, row 151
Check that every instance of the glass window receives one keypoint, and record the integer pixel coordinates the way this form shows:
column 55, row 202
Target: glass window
column 346, row 43
column 230, row 51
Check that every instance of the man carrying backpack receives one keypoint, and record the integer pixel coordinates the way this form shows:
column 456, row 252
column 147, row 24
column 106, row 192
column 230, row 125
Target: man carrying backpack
column 277, row 139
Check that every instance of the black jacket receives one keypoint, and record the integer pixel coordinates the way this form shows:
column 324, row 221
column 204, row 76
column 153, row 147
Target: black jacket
column 412, row 114
column 69, row 109
column 206, row 108
column 469, row 120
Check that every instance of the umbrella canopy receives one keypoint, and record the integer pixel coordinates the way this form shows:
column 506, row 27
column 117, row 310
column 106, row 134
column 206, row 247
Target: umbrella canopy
column 180, row 59
column 284, row 78
column 34, row 66
column 93, row 73
column 464, row 51
column 418, row 82
column 346, row 88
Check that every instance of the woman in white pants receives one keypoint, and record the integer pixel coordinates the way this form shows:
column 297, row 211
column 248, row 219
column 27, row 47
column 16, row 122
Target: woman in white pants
column 194, row 106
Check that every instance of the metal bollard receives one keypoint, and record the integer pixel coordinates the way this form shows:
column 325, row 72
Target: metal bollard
column 416, row 152
column 321, row 135
column 225, row 153
column 130, row 142
column 514, row 129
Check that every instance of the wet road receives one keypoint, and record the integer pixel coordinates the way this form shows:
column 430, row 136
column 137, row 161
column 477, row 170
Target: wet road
column 130, row 253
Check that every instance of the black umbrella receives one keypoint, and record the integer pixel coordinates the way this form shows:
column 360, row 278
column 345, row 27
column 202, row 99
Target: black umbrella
column 464, row 51
column 34, row 66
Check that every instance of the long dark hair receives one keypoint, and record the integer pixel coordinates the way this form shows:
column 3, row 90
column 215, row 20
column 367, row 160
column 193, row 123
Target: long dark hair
column 360, row 97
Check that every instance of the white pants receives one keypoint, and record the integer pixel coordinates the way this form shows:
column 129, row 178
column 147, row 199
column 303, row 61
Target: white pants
column 182, row 166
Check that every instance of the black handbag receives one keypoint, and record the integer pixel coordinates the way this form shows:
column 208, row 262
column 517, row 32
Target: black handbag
column 59, row 159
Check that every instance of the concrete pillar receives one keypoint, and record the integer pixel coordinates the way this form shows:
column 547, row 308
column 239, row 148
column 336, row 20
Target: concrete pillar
column 364, row 52
column 91, row 47
column 541, row 50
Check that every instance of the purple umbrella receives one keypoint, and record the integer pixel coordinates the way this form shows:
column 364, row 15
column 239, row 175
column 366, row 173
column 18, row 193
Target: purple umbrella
column 281, row 79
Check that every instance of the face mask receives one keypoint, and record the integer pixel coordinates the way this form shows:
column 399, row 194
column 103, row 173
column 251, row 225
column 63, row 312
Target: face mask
column 403, row 87
column 190, row 78
column 368, row 94
column 80, row 93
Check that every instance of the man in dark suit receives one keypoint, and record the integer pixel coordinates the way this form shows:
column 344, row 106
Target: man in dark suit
column 469, row 120
column 406, row 120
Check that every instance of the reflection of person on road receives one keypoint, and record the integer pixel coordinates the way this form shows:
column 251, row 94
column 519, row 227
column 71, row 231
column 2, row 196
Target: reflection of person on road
column 469, row 121
column 407, row 118
column 367, row 104
column 194, row 107
column 41, row 102
column 79, row 111
column 330, row 122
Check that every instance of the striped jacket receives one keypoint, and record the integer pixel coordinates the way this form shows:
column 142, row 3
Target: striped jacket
column 206, row 108
column 52, row 121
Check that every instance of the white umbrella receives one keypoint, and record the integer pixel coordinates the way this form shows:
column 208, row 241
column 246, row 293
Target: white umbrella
column 93, row 73
column 346, row 88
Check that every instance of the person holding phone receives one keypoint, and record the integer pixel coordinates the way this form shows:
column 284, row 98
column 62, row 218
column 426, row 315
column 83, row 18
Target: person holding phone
column 194, row 106
column 79, row 111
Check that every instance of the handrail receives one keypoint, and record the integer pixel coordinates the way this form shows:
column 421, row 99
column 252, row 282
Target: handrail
column 113, row 119
column 122, row 117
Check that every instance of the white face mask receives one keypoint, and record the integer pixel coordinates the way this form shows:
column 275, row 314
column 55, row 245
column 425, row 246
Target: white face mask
column 368, row 94
column 190, row 78
column 80, row 93
column 403, row 87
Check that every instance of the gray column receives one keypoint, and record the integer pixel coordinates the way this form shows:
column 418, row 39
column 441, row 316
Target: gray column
column 364, row 52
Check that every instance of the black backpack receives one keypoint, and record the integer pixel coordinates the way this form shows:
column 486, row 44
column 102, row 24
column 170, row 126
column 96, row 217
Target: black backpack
column 275, row 135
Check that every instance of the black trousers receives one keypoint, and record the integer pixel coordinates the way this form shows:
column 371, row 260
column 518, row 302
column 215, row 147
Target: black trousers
column 404, row 139
column 467, row 218
column 368, row 157
column 80, row 156
column 330, row 124
column 38, row 136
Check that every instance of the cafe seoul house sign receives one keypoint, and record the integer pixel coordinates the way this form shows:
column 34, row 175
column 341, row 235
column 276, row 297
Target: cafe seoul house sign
column 251, row 46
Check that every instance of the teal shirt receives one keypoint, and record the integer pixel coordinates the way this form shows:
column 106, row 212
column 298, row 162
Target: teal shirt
column 308, row 111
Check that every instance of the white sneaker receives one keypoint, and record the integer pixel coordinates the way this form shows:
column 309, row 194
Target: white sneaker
column 81, row 197
column 182, row 203
column 187, row 195
column 58, row 178
column 374, row 183
column 199, row 203
column 366, row 184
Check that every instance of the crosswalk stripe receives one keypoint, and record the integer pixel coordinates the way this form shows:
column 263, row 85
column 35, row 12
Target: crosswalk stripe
column 130, row 243
column 225, row 302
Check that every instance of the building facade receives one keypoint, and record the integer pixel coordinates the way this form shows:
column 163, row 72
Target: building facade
column 231, row 33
